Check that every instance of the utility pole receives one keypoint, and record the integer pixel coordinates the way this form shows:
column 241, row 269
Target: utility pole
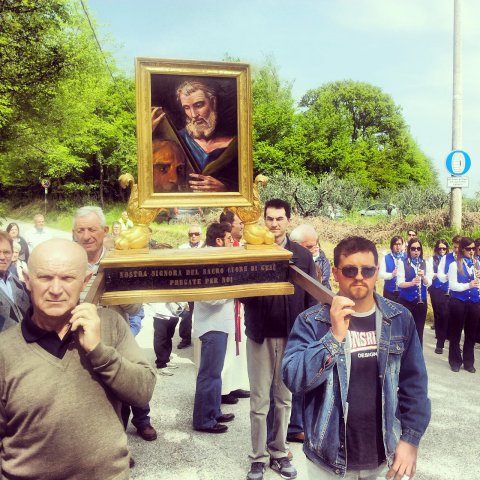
column 457, row 140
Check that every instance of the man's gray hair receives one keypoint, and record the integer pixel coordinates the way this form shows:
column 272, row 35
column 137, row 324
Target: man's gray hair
column 88, row 210
column 304, row 230
column 195, row 225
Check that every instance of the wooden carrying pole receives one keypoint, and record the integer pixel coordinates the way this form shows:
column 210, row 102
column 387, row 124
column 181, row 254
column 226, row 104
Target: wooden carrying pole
column 310, row 285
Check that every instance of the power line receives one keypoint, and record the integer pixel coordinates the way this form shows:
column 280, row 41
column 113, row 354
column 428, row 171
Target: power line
column 101, row 51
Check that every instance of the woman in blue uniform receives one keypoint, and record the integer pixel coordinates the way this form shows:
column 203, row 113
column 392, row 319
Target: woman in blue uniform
column 412, row 283
column 439, row 294
column 389, row 268
column 464, row 306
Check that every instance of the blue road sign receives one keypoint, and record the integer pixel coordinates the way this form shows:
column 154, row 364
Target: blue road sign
column 458, row 163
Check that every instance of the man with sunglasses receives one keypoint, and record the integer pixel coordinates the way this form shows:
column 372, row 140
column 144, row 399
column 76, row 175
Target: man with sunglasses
column 185, row 327
column 194, row 237
column 360, row 365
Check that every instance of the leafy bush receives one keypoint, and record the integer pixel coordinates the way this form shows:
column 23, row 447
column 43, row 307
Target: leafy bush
column 472, row 204
column 314, row 196
column 414, row 199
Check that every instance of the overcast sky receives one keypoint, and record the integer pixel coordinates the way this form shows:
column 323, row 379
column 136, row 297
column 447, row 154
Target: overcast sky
column 405, row 47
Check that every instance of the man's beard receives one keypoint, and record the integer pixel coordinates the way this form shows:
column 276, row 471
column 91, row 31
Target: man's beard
column 203, row 129
column 360, row 294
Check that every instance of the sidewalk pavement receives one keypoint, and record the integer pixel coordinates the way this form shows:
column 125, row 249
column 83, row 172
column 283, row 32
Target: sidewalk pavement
column 448, row 450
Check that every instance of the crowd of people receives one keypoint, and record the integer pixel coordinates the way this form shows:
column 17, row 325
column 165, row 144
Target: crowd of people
column 303, row 365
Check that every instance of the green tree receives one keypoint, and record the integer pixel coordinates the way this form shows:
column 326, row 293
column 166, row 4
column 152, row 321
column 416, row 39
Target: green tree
column 414, row 199
column 34, row 55
column 276, row 146
column 356, row 130
column 82, row 135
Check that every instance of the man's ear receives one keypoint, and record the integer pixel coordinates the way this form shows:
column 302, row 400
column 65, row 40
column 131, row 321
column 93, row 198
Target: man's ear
column 26, row 278
column 106, row 228
column 88, row 276
column 335, row 273
column 219, row 242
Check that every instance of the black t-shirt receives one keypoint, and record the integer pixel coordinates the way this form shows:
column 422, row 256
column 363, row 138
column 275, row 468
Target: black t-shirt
column 364, row 421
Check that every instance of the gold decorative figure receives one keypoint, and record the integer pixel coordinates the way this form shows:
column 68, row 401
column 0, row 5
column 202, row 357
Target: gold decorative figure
column 253, row 233
column 139, row 235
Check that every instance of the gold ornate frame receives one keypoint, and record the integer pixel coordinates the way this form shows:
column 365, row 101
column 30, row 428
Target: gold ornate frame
column 168, row 71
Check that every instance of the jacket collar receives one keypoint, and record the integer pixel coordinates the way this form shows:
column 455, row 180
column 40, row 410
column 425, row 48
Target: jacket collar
column 388, row 308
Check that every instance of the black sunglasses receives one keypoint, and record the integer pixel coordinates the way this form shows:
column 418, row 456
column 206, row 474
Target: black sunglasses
column 415, row 249
column 352, row 272
column 441, row 248
column 469, row 249
column 191, row 234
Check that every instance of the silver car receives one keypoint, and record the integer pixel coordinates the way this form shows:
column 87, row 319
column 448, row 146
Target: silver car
column 379, row 209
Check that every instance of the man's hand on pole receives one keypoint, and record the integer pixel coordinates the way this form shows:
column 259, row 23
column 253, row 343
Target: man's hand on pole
column 86, row 322
column 342, row 308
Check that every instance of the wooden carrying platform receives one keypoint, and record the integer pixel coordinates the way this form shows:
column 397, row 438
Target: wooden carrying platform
column 199, row 274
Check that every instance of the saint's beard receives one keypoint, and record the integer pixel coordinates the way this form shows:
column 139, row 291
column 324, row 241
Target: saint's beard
column 203, row 129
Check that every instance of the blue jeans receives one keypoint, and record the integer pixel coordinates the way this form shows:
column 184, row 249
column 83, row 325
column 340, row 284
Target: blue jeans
column 296, row 415
column 207, row 405
column 140, row 415
column 135, row 322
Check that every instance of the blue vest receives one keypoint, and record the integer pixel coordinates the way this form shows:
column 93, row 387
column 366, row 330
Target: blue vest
column 390, row 285
column 436, row 283
column 410, row 294
column 471, row 294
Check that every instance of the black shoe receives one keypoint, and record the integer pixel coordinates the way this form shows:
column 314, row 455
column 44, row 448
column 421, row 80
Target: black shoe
column 147, row 432
column 131, row 462
column 296, row 437
column 226, row 417
column 240, row 393
column 455, row 368
column 283, row 467
column 184, row 344
column 439, row 350
column 470, row 369
column 217, row 428
column 229, row 399
column 256, row 471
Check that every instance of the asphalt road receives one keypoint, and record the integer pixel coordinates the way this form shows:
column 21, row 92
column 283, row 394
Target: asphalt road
column 448, row 450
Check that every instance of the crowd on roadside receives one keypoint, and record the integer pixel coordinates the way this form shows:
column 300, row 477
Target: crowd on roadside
column 268, row 349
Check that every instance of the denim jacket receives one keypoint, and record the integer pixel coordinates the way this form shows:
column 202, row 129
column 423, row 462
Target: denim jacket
column 318, row 366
